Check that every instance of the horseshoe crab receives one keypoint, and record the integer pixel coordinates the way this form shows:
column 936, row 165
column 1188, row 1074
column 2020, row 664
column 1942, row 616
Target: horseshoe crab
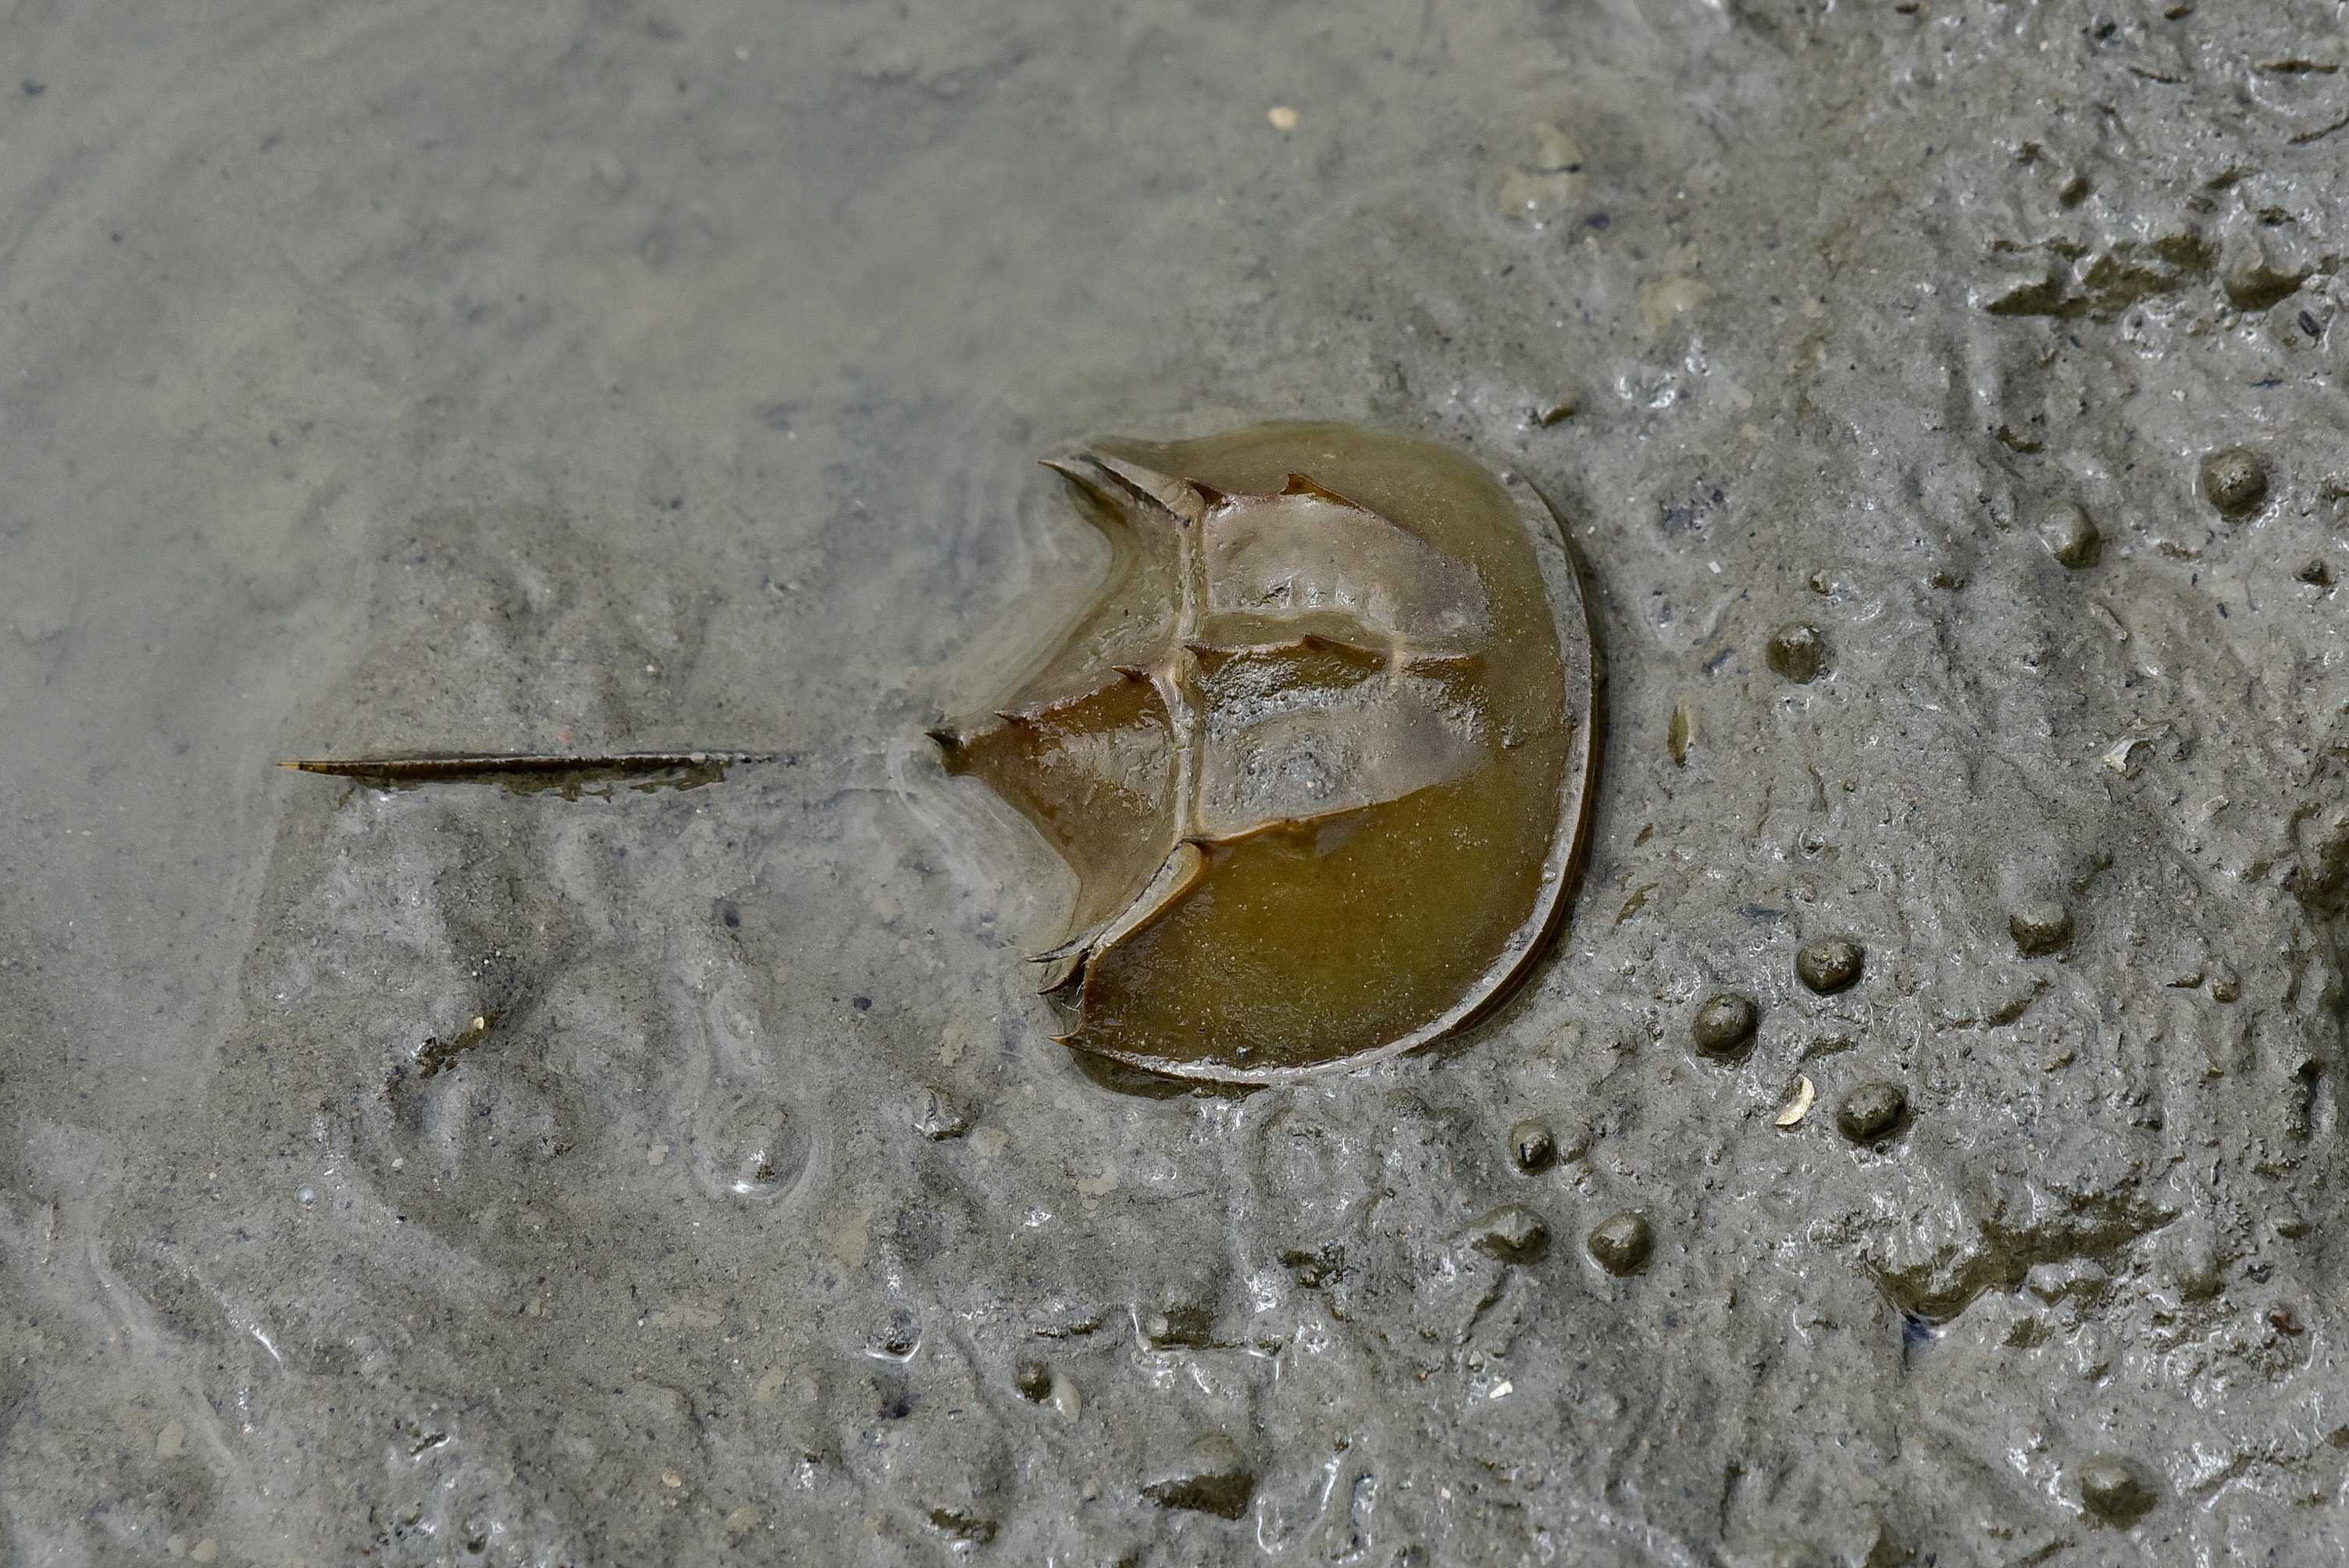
column 1321, row 753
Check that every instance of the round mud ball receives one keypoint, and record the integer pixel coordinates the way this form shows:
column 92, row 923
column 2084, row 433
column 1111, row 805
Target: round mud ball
column 1532, row 1145
column 2070, row 535
column 1828, row 965
column 2113, row 1491
column 1726, row 1024
column 1512, row 1233
column 1797, row 652
column 1871, row 1111
column 2235, row 480
column 1621, row 1244
column 2040, row 927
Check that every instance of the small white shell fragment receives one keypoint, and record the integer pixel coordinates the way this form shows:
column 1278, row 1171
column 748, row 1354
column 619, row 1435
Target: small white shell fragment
column 1800, row 1106
column 2117, row 755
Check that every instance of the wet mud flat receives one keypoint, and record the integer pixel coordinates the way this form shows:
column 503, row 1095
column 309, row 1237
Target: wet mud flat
column 1922, row 1143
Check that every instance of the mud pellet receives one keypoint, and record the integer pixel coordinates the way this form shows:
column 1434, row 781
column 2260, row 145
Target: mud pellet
column 1184, row 1323
column 1829, row 964
column 1724, row 1025
column 1622, row 1243
column 1871, row 1111
column 2113, row 1491
column 2235, row 480
column 2040, row 927
column 1214, row 1476
column 2253, row 281
column 1532, row 1145
column 2071, row 535
column 1794, row 1553
column 939, row 1115
column 1512, row 1233
column 1797, row 652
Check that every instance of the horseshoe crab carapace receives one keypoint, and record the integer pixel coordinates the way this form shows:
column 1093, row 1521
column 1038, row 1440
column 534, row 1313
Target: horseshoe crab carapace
column 1321, row 753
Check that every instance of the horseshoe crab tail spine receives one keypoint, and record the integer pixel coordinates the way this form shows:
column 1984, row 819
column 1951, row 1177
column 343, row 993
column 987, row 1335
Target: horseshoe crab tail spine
column 436, row 764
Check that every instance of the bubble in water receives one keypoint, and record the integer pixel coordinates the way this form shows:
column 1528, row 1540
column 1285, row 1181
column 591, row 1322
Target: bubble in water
column 747, row 1144
column 896, row 1336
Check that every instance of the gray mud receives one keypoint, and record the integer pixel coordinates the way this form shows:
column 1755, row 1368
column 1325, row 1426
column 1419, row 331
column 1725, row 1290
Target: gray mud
column 451, row 1176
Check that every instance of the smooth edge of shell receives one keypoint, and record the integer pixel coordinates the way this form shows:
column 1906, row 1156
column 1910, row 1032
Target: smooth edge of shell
column 1566, row 579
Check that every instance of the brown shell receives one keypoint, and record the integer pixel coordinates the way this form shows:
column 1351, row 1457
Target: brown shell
column 1321, row 753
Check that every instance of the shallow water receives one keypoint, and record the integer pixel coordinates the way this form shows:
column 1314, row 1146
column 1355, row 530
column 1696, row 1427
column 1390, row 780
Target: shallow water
column 410, row 376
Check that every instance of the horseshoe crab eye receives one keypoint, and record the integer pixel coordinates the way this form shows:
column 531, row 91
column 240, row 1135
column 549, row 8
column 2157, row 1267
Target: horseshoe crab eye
column 1321, row 753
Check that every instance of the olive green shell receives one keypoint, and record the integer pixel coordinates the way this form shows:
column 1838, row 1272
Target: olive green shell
column 1321, row 753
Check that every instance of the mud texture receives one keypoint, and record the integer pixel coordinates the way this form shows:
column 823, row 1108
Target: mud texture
column 451, row 1175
